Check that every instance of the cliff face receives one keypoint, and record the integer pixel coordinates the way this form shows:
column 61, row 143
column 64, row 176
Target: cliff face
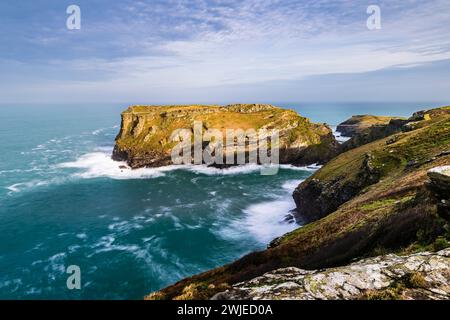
column 424, row 275
column 351, row 172
column 145, row 135
column 366, row 129
column 357, row 124
column 370, row 200
column 439, row 185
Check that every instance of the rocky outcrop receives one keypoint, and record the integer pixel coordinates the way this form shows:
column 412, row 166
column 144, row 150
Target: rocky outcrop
column 317, row 198
column 423, row 275
column 439, row 184
column 145, row 138
column 366, row 129
column 357, row 124
column 348, row 174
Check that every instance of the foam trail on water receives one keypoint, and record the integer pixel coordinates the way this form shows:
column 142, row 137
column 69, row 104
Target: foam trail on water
column 267, row 220
column 18, row 187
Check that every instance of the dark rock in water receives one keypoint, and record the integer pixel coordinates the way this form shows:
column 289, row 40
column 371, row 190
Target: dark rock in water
column 289, row 218
column 123, row 167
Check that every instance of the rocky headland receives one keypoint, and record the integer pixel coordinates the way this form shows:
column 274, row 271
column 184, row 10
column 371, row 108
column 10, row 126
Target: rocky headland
column 145, row 134
column 358, row 123
column 363, row 129
column 389, row 195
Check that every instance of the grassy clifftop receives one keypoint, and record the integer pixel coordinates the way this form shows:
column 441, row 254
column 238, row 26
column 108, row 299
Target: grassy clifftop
column 348, row 174
column 390, row 208
column 357, row 124
column 144, row 138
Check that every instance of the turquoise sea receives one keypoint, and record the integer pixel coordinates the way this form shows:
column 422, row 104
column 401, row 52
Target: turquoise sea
column 63, row 202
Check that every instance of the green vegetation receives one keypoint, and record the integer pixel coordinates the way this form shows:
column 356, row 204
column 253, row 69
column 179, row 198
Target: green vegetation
column 146, row 130
column 392, row 210
column 414, row 280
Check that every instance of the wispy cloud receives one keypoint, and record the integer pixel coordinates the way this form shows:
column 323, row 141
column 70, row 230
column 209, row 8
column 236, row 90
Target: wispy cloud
column 143, row 48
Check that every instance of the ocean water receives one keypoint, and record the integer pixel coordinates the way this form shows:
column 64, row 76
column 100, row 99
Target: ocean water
column 63, row 202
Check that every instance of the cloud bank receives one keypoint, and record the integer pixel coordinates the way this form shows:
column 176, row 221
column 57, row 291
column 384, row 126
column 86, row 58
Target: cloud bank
column 170, row 51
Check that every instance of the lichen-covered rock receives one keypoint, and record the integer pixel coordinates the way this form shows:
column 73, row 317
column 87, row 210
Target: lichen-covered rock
column 424, row 275
column 145, row 134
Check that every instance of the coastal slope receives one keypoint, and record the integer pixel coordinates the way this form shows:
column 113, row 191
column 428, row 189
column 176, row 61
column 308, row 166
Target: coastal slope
column 377, row 198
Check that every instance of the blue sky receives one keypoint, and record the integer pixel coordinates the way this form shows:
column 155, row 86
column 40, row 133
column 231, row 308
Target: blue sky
column 176, row 51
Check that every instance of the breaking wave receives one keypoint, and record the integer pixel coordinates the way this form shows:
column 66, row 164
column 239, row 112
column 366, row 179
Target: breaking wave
column 100, row 164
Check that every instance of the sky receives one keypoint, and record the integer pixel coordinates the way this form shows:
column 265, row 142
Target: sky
column 223, row 51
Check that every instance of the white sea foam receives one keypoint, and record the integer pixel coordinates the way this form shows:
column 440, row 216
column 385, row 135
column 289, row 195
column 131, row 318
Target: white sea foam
column 266, row 220
column 20, row 170
column 105, row 149
column 18, row 187
column 29, row 185
column 291, row 185
column 263, row 221
column 311, row 167
column 100, row 164
column 124, row 227
column 106, row 244
column 245, row 169
column 81, row 236
column 211, row 171
column 55, row 265
column 96, row 132
column 16, row 283
column 338, row 135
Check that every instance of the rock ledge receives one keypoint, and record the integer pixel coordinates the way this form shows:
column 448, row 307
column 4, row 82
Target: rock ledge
column 423, row 275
